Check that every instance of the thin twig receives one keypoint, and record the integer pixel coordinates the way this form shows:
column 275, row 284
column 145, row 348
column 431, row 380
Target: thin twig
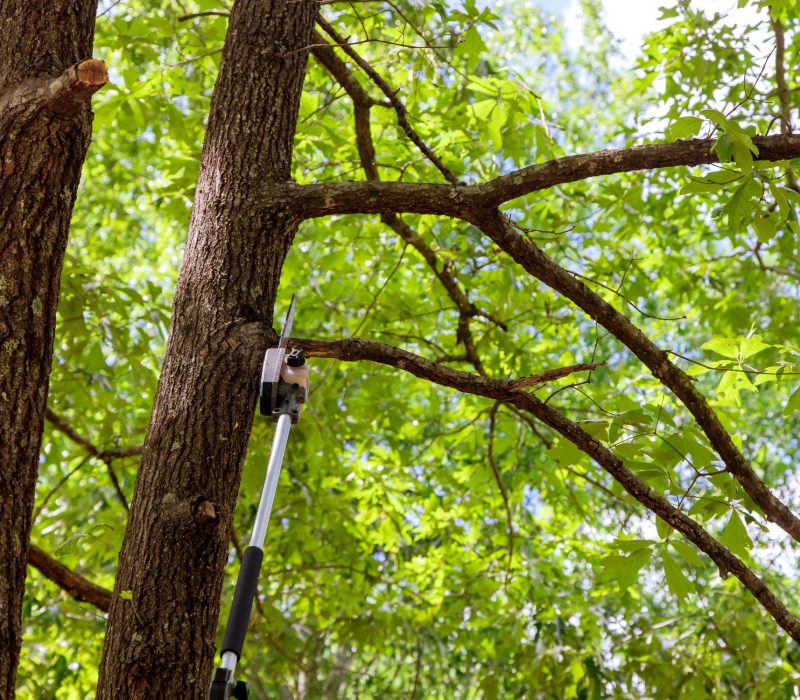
column 391, row 95
column 106, row 455
column 502, row 489
column 207, row 13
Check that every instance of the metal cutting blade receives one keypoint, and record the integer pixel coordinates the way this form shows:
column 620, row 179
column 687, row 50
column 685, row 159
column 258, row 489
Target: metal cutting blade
column 286, row 332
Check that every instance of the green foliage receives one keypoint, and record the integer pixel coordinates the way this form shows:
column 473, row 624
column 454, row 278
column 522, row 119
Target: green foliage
column 388, row 564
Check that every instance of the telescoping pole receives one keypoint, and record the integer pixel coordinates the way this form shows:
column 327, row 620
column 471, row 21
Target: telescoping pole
column 254, row 554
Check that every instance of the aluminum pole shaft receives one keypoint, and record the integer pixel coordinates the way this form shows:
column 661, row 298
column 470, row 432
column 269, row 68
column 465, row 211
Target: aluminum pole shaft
column 271, row 482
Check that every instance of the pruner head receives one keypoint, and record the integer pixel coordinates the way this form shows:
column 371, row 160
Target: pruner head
column 284, row 376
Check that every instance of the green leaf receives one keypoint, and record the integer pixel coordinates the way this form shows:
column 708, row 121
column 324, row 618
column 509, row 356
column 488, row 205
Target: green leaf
column 752, row 345
column 686, row 551
column 630, row 567
column 663, row 528
column 765, row 228
column 483, row 108
column 793, row 404
column 723, row 148
column 495, row 125
column 742, row 146
column 684, row 127
column 625, row 569
column 727, row 347
column 714, row 115
column 734, row 536
column 472, row 47
column 565, row 453
column 678, row 584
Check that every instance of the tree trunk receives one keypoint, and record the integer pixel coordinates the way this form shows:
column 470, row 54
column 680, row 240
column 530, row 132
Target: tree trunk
column 45, row 128
column 163, row 619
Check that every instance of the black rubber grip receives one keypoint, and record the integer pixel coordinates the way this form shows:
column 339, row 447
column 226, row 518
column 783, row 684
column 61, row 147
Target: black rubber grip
column 242, row 601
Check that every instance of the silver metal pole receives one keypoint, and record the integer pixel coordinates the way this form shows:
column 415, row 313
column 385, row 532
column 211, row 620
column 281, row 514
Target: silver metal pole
column 271, row 482
column 229, row 661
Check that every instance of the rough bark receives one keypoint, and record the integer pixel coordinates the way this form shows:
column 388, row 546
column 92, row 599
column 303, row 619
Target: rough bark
column 160, row 638
column 45, row 127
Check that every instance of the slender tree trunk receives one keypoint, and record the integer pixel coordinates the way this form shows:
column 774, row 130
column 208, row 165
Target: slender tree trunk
column 160, row 638
column 45, row 127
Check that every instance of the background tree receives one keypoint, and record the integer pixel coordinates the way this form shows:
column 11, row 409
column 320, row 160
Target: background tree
column 430, row 542
column 46, row 81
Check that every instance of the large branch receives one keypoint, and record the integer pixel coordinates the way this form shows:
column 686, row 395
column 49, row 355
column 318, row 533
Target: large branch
column 74, row 584
column 458, row 201
column 502, row 390
column 623, row 160
column 527, row 254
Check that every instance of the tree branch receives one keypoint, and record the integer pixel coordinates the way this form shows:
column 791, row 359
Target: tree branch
column 362, row 102
column 780, row 76
column 553, row 374
column 466, row 309
column 460, row 200
column 107, row 456
column 206, row 13
column 784, row 95
column 356, row 349
column 73, row 584
column 499, row 481
column 63, row 95
column 527, row 254
column 366, row 149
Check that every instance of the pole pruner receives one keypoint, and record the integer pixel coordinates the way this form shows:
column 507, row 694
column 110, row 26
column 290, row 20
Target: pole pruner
column 284, row 388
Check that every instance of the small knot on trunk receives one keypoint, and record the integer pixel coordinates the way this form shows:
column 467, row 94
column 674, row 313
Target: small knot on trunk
column 204, row 513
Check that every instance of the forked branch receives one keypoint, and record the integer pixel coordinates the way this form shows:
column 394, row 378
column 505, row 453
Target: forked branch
column 527, row 254
column 362, row 103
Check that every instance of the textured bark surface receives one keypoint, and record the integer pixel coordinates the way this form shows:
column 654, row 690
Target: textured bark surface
column 160, row 641
column 45, row 127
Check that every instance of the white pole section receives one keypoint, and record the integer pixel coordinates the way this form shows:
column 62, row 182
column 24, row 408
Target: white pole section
column 271, row 482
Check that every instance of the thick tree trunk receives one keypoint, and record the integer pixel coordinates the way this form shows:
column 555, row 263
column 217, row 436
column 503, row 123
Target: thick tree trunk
column 45, row 127
column 160, row 639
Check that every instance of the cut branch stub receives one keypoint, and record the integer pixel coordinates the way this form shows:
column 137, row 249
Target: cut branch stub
column 63, row 95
